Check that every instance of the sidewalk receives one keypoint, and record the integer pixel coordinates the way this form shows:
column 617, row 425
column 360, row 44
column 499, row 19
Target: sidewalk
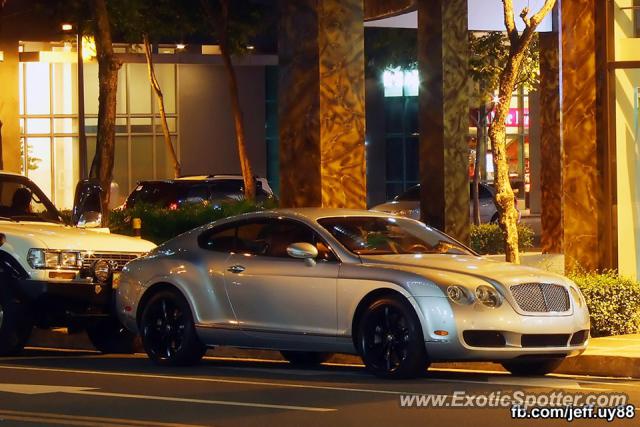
column 617, row 356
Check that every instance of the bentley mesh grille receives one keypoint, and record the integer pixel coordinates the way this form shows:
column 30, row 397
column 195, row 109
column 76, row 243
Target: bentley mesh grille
column 541, row 297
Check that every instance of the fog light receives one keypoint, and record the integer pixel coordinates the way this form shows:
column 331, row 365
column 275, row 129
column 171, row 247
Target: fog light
column 102, row 270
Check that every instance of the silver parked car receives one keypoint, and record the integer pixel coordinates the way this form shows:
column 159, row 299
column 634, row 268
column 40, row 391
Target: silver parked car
column 310, row 282
column 408, row 204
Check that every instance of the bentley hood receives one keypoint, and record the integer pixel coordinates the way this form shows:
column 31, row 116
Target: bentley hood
column 438, row 266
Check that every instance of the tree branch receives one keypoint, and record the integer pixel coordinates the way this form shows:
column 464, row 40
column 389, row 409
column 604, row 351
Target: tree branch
column 509, row 22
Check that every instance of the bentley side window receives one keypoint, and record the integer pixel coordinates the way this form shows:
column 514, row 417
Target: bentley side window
column 219, row 240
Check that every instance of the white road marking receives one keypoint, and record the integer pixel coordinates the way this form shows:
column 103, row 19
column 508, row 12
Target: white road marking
column 205, row 379
column 33, row 389
column 548, row 382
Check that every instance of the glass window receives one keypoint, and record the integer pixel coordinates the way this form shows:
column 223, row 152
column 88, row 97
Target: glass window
column 120, row 171
column 388, row 236
column 393, row 113
column 66, row 170
column 142, row 158
column 166, row 75
column 38, row 99
column 395, row 159
column 64, row 89
column 20, row 200
column 252, row 238
column 140, row 90
column 39, row 162
column 219, row 240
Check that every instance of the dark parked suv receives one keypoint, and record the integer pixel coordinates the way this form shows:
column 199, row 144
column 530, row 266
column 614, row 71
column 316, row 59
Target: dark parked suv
column 174, row 193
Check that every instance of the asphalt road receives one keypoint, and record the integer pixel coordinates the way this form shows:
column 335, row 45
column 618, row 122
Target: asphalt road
column 47, row 387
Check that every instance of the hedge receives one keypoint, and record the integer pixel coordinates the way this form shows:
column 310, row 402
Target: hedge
column 161, row 224
column 613, row 302
column 487, row 238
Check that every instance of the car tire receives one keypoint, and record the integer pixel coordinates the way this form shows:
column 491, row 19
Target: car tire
column 16, row 323
column 305, row 358
column 532, row 367
column 110, row 337
column 390, row 339
column 168, row 331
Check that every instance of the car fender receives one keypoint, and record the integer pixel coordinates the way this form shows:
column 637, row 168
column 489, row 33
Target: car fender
column 204, row 291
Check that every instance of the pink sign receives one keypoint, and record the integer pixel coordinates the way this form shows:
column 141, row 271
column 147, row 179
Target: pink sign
column 514, row 119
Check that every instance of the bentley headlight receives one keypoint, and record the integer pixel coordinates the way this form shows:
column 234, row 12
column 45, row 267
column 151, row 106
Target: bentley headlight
column 488, row 296
column 459, row 294
column 577, row 296
column 53, row 259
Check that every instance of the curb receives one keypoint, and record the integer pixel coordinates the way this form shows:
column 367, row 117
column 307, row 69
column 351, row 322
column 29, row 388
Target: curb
column 589, row 365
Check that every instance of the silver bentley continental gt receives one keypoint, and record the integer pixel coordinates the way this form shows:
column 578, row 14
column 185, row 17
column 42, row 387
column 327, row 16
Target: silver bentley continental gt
column 311, row 282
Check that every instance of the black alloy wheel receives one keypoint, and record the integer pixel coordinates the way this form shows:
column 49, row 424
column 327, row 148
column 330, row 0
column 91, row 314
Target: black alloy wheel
column 168, row 331
column 390, row 339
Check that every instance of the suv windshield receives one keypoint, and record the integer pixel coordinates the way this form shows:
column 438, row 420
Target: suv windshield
column 22, row 200
column 370, row 235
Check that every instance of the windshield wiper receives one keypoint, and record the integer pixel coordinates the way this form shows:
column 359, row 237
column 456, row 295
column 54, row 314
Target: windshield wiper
column 6, row 218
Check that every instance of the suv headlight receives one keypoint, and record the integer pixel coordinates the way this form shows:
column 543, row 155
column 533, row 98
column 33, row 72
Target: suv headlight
column 488, row 296
column 53, row 259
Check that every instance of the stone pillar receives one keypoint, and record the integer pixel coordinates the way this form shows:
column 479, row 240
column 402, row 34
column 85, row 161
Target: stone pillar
column 550, row 144
column 9, row 104
column 321, row 103
column 589, row 169
column 444, row 110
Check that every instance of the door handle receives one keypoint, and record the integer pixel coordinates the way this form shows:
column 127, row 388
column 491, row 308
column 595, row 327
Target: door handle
column 236, row 268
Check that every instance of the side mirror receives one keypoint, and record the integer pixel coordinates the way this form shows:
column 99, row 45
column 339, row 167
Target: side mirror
column 90, row 219
column 305, row 251
column 87, row 203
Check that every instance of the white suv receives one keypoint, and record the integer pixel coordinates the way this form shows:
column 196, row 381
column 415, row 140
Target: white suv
column 56, row 275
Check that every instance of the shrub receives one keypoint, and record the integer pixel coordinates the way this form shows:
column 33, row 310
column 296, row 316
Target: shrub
column 488, row 239
column 613, row 302
column 161, row 224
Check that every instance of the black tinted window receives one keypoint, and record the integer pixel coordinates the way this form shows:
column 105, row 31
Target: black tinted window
column 155, row 193
column 220, row 240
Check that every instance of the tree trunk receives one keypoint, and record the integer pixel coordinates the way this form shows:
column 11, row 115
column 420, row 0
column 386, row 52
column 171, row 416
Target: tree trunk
column 221, row 28
column 108, row 66
column 1, row 162
column 163, row 115
column 476, row 167
column 508, row 216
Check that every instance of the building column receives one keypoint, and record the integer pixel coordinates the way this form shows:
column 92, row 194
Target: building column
column 550, row 144
column 321, row 103
column 589, row 168
column 10, row 104
column 444, row 109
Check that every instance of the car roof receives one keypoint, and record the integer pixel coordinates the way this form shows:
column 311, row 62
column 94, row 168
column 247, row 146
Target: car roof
column 319, row 213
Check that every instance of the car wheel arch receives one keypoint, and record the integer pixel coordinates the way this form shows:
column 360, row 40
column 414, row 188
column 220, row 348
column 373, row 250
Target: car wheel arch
column 367, row 300
column 150, row 292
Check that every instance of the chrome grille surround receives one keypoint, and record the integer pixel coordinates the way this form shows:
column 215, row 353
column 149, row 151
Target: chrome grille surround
column 117, row 259
column 541, row 297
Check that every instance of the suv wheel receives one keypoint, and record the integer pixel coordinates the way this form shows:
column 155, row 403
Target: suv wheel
column 390, row 339
column 168, row 331
column 109, row 336
column 15, row 323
